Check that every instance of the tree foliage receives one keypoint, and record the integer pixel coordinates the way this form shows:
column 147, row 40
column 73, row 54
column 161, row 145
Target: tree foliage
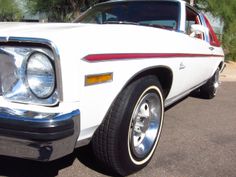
column 59, row 10
column 226, row 11
column 9, row 11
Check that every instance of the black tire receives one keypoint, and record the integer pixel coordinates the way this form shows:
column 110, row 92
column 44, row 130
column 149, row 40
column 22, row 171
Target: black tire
column 116, row 141
column 209, row 90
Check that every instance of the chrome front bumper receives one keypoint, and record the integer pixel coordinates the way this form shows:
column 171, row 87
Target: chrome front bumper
column 45, row 139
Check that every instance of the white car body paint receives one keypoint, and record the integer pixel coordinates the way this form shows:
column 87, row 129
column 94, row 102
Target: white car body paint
column 76, row 41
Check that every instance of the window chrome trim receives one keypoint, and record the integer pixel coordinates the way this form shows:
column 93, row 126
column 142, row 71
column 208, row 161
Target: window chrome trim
column 3, row 39
column 51, row 45
column 207, row 38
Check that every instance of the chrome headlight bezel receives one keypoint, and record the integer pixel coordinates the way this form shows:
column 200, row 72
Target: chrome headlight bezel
column 20, row 90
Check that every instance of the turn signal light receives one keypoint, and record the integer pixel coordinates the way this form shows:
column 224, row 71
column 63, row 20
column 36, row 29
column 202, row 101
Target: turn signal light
column 98, row 79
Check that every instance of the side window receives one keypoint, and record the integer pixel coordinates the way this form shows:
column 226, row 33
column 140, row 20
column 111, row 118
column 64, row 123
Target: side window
column 213, row 38
column 192, row 18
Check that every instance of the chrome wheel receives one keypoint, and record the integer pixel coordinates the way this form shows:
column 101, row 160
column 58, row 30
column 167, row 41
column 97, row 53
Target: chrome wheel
column 216, row 82
column 127, row 138
column 145, row 125
column 209, row 89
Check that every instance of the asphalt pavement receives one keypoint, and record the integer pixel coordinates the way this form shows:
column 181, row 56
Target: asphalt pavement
column 198, row 140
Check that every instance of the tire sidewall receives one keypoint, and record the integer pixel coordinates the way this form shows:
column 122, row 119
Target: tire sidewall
column 209, row 90
column 134, row 93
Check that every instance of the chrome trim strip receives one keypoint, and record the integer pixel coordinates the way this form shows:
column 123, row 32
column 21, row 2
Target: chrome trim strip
column 48, row 43
column 180, row 18
column 41, row 150
column 182, row 95
column 3, row 39
column 173, row 100
column 207, row 37
column 32, row 116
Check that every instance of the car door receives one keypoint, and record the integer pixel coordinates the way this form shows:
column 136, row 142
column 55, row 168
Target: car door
column 194, row 67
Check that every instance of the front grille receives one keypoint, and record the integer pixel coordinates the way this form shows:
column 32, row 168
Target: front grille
column 7, row 71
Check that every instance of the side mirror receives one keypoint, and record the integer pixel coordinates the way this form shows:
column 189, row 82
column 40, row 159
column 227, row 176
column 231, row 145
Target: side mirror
column 197, row 29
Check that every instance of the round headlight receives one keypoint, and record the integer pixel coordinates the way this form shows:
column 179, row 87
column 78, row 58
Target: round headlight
column 40, row 75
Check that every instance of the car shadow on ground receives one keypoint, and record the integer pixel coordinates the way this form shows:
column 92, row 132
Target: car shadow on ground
column 14, row 167
column 87, row 158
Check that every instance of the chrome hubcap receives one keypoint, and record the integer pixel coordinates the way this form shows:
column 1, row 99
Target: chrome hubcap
column 216, row 83
column 217, row 80
column 145, row 125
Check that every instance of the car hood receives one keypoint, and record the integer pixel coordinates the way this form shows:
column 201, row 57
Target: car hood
column 34, row 29
column 95, row 38
column 81, row 35
column 56, row 30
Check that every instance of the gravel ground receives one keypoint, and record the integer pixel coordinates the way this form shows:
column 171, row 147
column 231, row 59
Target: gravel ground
column 229, row 74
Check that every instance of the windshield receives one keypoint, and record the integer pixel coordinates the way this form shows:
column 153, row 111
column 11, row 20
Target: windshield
column 151, row 13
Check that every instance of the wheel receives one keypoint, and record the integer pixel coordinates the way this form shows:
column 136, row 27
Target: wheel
column 128, row 136
column 209, row 90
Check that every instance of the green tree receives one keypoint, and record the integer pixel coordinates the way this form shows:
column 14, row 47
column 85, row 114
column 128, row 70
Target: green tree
column 59, row 10
column 9, row 11
column 226, row 11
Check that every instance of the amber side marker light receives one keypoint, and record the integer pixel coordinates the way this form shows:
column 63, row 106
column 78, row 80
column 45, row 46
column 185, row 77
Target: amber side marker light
column 98, row 79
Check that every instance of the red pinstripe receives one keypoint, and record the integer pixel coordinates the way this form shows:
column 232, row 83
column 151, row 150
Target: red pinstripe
column 123, row 56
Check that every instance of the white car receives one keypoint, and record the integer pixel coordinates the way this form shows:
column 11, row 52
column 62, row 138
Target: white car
column 105, row 79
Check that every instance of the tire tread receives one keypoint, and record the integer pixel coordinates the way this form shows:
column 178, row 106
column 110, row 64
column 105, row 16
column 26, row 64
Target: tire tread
column 104, row 141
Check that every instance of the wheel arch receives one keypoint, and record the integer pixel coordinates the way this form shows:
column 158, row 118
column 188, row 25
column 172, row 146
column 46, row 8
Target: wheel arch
column 163, row 73
column 221, row 66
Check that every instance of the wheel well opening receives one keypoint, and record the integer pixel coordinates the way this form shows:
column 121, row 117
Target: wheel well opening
column 164, row 76
column 221, row 66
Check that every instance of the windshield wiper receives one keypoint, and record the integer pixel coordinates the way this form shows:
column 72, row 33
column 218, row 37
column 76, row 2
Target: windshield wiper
column 120, row 22
column 133, row 23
